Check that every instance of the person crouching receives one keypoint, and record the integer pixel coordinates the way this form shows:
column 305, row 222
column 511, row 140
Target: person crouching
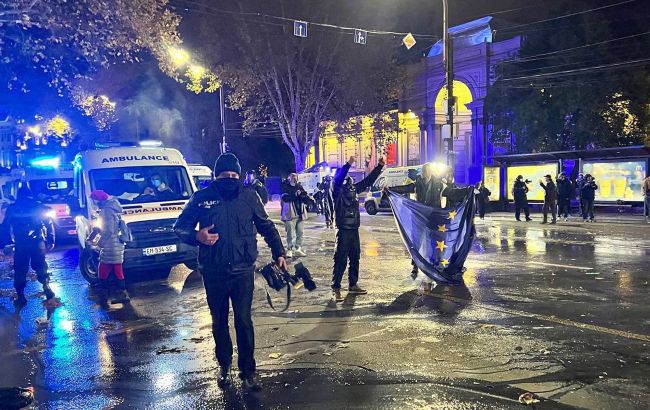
column 111, row 248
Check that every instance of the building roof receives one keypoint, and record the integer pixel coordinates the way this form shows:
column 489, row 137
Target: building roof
column 602, row 153
column 465, row 35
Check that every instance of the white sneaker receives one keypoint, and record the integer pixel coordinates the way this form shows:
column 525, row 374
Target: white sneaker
column 290, row 253
column 299, row 252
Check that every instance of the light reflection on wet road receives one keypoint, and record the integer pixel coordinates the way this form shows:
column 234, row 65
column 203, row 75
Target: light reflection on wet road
column 560, row 311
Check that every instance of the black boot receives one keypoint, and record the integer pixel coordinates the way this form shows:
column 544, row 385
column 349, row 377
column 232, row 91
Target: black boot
column 121, row 295
column 20, row 299
column 102, row 292
column 250, row 382
column 224, row 377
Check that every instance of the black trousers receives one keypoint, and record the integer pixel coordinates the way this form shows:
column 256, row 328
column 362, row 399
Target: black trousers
column 348, row 247
column 221, row 289
column 550, row 206
column 519, row 205
column 564, row 207
column 587, row 208
column 482, row 206
column 29, row 253
column 328, row 210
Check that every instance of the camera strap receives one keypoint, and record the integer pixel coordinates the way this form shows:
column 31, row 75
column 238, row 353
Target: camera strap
column 270, row 302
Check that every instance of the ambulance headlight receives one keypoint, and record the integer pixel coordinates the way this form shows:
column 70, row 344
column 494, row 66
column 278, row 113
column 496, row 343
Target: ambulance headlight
column 51, row 214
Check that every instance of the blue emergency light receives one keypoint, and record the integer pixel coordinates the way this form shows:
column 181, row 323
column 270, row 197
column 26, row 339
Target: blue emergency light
column 45, row 162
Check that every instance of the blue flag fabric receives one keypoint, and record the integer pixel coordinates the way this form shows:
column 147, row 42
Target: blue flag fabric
column 438, row 240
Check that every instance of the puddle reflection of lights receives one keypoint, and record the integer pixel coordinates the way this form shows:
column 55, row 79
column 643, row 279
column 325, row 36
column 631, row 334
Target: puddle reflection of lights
column 372, row 248
column 624, row 282
column 164, row 381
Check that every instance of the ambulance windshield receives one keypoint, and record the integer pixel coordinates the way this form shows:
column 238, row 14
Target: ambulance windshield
column 143, row 184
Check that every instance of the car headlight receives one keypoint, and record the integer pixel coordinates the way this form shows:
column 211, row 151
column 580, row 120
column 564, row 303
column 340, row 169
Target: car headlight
column 51, row 214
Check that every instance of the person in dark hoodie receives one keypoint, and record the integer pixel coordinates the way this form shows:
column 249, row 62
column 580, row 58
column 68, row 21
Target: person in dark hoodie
column 564, row 193
column 229, row 218
column 550, row 199
column 111, row 247
column 587, row 197
column 293, row 213
column 252, row 182
column 348, row 221
column 31, row 226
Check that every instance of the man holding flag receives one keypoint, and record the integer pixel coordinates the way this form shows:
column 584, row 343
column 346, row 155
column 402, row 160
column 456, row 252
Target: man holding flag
column 438, row 240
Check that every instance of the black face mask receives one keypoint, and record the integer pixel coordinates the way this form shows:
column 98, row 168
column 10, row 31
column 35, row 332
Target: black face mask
column 227, row 187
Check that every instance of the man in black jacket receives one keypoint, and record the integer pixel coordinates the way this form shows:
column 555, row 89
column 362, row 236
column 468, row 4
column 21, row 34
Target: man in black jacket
column 564, row 193
column 253, row 183
column 520, row 194
column 348, row 220
column 328, row 201
column 33, row 232
column 550, row 199
column 229, row 218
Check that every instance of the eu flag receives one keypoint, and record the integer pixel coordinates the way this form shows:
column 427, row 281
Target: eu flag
column 438, row 240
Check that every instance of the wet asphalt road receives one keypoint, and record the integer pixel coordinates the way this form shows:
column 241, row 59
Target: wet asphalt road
column 559, row 311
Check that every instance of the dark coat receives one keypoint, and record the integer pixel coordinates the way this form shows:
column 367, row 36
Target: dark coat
column 588, row 191
column 29, row 223
column 483, row 195
column 237, row 221
column 564, row 189
column 260, row 189
column 346, row 202
column 520, row 191
column 550, row 191
column 426, row 192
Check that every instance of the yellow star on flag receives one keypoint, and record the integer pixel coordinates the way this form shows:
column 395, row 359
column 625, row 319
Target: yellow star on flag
column 440, row 245
column 442, row 228
column 444, row 262
column 452, row 214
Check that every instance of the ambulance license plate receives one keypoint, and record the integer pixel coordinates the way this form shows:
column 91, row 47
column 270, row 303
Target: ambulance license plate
column 157, row 250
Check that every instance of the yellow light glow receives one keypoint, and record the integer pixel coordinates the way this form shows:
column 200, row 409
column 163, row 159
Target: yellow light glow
column 438, row 168
column 178, row 56
column 196, row 71
column 58, row 126
column 35, row 130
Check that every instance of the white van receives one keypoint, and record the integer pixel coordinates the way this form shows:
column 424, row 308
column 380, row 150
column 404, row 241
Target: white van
column 376, row 200
column 125, row 172
column 310, row 178
column 201, row 174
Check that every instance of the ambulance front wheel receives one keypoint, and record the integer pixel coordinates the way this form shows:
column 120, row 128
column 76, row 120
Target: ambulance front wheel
column 88, row 263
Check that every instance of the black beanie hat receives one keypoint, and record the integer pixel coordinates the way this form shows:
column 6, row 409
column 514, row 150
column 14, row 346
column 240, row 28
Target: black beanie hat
column 227, row 162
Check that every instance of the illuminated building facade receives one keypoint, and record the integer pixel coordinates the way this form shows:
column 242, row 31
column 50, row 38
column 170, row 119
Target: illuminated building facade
column 422, row 130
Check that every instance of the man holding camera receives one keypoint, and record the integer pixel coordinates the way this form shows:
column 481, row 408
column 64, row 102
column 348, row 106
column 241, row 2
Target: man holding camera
column 33, row 233
column 348, row 221
column 520, row 194
column 229, row 218
column 550, row 199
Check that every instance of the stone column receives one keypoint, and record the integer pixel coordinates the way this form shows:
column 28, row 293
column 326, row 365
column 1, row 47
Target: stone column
column 475, row 166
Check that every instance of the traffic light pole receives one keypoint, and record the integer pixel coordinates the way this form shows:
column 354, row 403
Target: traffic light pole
column 448, row 62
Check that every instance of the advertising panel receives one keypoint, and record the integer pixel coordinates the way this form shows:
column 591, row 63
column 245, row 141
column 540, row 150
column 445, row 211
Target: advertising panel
column 492, row 181
column 533, row 173
column 617, row 179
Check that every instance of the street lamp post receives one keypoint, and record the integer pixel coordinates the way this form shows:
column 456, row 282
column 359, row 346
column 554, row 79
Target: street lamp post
column 222, row 107
column 447, row 59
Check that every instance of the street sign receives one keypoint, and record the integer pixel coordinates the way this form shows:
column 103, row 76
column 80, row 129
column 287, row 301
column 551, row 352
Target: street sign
column 360, row 36
column 409, row 41
column 300, row 28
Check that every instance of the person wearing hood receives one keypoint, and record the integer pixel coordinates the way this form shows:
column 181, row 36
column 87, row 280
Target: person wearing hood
column 550, row 199
column 111, row 247
column 229, row 219
column 293, row 213
column 482, row 198
column 253, row 183
column 564, row 194
column 31, row 226
column 520, row 194
column 348, row 221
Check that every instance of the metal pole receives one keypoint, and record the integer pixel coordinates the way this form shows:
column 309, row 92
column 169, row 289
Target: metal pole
column 447, row 58
column 222, row 107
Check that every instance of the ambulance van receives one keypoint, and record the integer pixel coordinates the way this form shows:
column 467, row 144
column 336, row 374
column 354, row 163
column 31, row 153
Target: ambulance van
column 153, row 184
